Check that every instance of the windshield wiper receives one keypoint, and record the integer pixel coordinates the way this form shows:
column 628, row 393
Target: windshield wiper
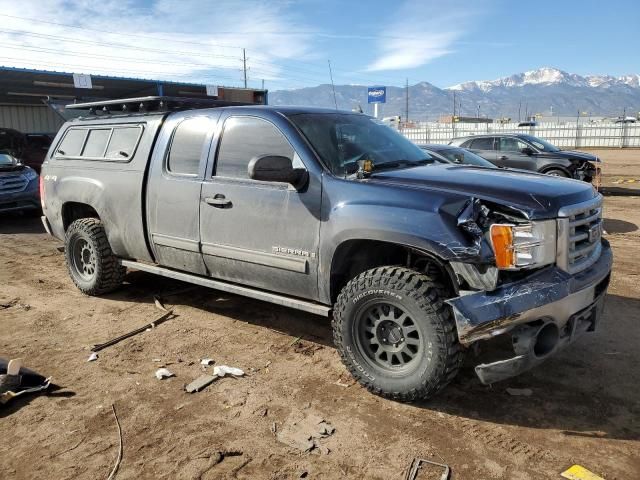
column 402, row 164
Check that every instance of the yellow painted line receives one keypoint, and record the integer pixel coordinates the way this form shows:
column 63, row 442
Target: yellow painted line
column 577, row 472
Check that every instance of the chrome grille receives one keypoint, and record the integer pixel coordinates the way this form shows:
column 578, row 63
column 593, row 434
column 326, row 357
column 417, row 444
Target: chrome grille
column 13, row 184
column 579, row 234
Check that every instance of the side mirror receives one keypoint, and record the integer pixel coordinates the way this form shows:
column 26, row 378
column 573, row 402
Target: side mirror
column 276, row 168
column 527, row 151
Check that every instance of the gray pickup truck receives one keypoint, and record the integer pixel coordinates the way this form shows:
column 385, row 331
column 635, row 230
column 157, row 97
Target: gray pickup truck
column 332, row 213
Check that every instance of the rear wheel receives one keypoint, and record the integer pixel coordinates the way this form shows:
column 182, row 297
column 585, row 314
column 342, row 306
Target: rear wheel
column 92, row 265
column 556, row 172
column 395, row 334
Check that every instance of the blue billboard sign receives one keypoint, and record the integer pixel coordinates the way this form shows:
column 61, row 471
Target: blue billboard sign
column 377, row 94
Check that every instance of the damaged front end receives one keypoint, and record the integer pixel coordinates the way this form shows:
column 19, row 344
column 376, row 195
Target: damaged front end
column 521, row 290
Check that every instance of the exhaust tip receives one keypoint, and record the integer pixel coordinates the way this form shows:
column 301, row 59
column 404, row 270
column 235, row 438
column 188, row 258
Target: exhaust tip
column 546, row 340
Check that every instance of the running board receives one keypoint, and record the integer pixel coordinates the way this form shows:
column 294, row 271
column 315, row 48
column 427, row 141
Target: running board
column 304, row 305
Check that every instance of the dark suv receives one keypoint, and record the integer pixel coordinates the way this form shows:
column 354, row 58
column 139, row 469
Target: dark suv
column 527, row 152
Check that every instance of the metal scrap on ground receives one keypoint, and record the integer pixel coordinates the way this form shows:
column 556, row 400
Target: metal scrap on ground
column 418, row 463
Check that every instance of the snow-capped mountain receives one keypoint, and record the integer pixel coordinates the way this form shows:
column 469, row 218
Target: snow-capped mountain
column 548, row 76
column 537, row 91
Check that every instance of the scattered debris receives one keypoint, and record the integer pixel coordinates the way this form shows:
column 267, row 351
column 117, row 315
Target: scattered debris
column 159, row 305
column 207, row 361
column 60, row 248
column 157, row 360
column 303, row 432
column 93, row 357
column 222, row 370
column 119, row 459
column 417, row 464
column 16, row 381
column 201, row 382
column 578, row 472
column 163, row 373
column 274, row 428
column 520, row 392
column 8, row 304
column 167, row 316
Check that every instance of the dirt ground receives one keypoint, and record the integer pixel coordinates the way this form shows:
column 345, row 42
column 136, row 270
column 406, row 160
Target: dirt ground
column 585, row 406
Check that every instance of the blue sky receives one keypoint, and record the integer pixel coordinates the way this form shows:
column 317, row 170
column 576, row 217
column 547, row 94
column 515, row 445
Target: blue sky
column 288, row 42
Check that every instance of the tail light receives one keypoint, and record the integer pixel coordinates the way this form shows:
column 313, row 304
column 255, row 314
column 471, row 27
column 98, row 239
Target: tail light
column 41, row 191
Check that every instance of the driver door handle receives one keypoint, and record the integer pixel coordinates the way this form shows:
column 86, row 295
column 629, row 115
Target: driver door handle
column 218, row 200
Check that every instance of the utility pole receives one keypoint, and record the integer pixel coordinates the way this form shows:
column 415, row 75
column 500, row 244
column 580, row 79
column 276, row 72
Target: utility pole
column 406, row 110
column 478, row 114
column 263, row 84
column 519, row 109
column 332, row 85
column 454, row 106
column 244, row 66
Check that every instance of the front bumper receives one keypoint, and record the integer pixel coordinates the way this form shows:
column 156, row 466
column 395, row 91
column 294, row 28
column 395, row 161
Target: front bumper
column 572, row 303
column 25, row 200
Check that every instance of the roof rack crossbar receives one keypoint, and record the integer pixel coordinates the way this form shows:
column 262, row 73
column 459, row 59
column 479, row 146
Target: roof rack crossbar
column 151, row 104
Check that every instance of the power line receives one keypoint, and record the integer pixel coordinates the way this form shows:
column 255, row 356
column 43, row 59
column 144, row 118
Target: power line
column 110, row 45
column 113, row 57
column 111, row 32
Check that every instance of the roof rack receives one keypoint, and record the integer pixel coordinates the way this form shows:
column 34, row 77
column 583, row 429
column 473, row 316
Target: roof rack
column 150, row 104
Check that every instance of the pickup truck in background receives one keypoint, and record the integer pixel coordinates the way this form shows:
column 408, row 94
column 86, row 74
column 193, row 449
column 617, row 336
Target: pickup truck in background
column 332, row 213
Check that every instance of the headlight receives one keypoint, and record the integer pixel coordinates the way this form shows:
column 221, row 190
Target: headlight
column 524, row 246
column 30, row 174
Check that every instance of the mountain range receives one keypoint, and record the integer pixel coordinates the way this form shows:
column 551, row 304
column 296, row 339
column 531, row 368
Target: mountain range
column 548, row 91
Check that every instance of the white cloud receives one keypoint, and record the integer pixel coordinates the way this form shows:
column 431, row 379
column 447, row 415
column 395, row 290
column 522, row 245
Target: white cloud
column 426, row 31
column 187, row 40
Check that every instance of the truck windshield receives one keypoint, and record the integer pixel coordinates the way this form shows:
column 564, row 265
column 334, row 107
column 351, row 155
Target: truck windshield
column 342, row 139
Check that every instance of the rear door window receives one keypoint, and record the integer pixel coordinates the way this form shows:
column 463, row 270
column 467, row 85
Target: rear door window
column 123, row 142
column 187, row 145
column 482, row 144
column 96, row 142
column 71, row 145
column 245, row 138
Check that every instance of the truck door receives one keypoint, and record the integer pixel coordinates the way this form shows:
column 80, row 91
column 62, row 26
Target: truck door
column 263, row 234
column 173, row 192
column 514, row 153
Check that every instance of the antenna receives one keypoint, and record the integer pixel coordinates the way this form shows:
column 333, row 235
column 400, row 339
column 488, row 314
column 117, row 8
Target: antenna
column 332, row 85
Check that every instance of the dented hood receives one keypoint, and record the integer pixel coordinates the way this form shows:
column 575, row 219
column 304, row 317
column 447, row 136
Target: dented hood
column 536, row 195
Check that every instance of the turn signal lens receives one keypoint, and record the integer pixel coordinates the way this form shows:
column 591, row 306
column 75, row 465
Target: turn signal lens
column 502, row 241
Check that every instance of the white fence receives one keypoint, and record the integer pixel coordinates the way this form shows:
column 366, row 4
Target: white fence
column 625, row 135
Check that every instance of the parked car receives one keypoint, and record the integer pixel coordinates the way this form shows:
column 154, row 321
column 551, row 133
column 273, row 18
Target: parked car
column 29, row 148
column 333, row 213
column 527, row 152
column 18, row 185
column 457, row 155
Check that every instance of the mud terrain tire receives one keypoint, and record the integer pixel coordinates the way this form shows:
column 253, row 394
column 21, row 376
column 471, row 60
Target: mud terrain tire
column 395, row 334
column 92, row 265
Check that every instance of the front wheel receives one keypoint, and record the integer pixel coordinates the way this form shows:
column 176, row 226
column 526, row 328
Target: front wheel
column 92, row 265
column 556, row 172
column 395, row 334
